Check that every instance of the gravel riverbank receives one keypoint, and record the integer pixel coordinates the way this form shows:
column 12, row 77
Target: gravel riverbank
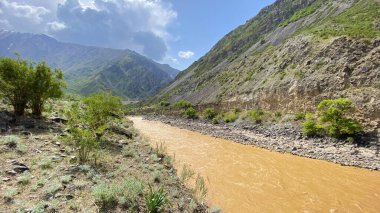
column 286, row 138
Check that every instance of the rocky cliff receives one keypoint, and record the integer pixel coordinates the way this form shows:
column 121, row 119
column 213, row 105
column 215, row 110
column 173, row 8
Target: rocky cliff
column 289, row 57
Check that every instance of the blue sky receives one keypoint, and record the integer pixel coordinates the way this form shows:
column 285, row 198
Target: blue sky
column 176, row 32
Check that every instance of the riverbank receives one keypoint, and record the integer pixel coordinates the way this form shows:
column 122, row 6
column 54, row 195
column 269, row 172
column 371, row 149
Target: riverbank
column 285, row 138
column 40, row 170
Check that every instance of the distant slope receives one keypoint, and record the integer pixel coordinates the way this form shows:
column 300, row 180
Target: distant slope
column 90, row 69
column 289, row 57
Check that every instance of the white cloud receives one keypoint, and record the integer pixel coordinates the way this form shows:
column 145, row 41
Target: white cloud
column 140, row 25
column 33, row 13
column 55, row 26
column 185, row 54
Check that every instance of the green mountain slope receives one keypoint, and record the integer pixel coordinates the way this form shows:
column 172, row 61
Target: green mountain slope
column 89, row 69
column 293, row 54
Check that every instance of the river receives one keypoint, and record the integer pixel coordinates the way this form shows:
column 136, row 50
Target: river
column 249, row 179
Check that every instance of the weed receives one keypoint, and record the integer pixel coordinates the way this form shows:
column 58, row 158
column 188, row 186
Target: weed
column 200, row 189
column 128, row 153
column 230, row 117
column 24, row 179
column 256, row 115
column 161, row 149
column 190, row 113
column 65, row 179
column 186, row 174
column 10, row 194
column 105, row 195
column 209, row 113
column 46, row 164
column 156, row 200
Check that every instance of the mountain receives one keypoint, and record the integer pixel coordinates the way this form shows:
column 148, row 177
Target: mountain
column 289, row 57
column 90, row 69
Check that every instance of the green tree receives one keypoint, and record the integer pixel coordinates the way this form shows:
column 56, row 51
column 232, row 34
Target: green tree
column 45, row 83
column 15, row 76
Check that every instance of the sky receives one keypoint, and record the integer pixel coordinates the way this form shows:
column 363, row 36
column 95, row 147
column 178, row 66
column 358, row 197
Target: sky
column 175, row 32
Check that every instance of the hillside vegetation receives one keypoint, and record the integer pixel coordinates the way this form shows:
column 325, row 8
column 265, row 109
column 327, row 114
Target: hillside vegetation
column 290, row 57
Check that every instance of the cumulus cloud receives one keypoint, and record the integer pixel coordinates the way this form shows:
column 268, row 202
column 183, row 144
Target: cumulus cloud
column 140, row 25
column 185, row 54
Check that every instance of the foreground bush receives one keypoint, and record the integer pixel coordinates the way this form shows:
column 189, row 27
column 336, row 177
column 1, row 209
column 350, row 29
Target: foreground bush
column 332, row 118
column 89, row 120
column 23, row 83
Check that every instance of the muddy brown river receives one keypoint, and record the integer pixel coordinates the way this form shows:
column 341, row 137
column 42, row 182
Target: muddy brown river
column 249, row 179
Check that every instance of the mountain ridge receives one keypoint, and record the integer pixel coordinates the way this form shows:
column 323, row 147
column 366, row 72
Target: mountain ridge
column 82, row 64
column 315, row 51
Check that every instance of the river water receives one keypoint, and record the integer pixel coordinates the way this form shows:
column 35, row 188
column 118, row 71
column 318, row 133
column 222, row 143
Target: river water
column 249, row 179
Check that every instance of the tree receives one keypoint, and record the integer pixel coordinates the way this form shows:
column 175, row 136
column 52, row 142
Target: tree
column 15, row 76
column 22, row 84
column 45, row 84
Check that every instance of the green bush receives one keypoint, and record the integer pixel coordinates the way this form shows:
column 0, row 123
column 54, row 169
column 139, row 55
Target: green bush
column 230, row 117
column 209, row 113
column 331, row 118
column 164, row 103
column 215, row 120
column 182, row 104
column 191, row 113
column 312, row 128
column 156, row 200
column 22, row 83
column 105, row 195
column 256, row 115
column 89, row 120
column 300, row 116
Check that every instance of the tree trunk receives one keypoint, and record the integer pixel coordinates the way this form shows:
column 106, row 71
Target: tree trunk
column 19, row 109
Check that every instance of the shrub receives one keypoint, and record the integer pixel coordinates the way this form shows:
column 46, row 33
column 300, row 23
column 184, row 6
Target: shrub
column 89, row 121
column 191, row 113
column 108, row 195
column 164, row 103
column 156, row 200
column 215, row 120
column 300, row 116
column 24, row 179
column 230, row 117
column 311, row 128
column 209, row 113
column 333, row 117
column 182, row 104
column 256, row 115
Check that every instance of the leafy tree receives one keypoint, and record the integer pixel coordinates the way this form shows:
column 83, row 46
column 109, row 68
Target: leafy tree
column 45, row 83
column 89, row 121
column 15, row 77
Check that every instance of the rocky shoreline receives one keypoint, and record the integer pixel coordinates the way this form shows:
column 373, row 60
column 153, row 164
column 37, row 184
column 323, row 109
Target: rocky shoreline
column 286, row 138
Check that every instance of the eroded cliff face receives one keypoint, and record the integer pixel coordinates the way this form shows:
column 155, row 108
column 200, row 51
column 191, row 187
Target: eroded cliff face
column 327, row 49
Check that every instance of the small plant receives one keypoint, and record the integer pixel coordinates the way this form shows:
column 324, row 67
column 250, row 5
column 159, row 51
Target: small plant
column 128, row 153
column 105, row 195
column 156, row 200
column 200, row 189
column 300, row 116
column 10, row 194
column 161, row 149
column 46, row 164
column 191, row 113
column 186, row 174
column 65, row 179
column 230, row 117
column 164, row 103
column 215, row 120
column 24, row 179
column 209, row 113
column 256, row 115
column 11, row 141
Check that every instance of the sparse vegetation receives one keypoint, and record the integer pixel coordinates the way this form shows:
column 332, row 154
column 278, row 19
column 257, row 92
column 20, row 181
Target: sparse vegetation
column 182, row 104
column 230, row 116
column 256, row 115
